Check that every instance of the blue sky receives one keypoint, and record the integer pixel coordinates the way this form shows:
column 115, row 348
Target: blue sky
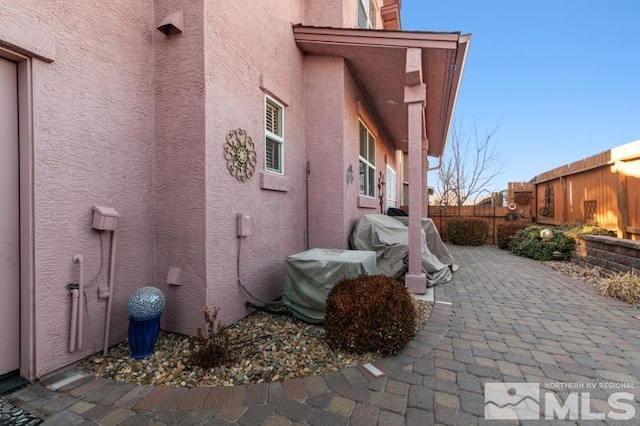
column 559, row 78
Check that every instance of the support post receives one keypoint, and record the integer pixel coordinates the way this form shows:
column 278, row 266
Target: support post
column 415, row 98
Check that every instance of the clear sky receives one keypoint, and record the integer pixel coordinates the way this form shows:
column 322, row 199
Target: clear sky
column 559, row 78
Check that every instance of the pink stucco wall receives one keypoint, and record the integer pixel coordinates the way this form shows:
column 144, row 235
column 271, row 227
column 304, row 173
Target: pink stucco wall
column 324, row 13
column 324, row 104
column 93, row 145
column 352, row 98
column 180, row 158
column 331, row 102
column 335, row 13
column 261, row 53
column 128, row 118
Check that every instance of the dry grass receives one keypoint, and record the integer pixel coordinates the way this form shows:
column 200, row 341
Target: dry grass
column 623, row 285
column 592, row 275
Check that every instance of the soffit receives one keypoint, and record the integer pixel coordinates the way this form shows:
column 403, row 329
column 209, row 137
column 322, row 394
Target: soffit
column 377, row 60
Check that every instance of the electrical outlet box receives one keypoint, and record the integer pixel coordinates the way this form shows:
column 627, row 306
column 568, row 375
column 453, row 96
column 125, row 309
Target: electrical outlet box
column 244, row 224
column 104, row 218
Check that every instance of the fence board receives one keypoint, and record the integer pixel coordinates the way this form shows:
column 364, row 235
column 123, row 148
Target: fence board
column 493, row 217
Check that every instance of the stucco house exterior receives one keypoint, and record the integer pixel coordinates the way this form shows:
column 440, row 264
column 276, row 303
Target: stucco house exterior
column 180, row 115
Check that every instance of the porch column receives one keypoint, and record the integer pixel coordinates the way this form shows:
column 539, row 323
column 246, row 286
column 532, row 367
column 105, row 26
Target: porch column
column 415, row 93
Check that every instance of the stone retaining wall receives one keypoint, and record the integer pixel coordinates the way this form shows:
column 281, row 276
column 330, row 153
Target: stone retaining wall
column 614, row 254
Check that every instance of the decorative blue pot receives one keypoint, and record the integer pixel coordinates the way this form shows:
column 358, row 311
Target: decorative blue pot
column 143, row 334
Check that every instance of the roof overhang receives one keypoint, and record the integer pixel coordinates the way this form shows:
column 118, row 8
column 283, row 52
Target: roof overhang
column 377, row 60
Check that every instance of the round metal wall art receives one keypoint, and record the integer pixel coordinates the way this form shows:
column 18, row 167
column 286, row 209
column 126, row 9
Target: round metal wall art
column 239, row 151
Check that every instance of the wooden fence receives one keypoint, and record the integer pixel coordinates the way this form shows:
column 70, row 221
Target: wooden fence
column 603, row 189
column 493, row 215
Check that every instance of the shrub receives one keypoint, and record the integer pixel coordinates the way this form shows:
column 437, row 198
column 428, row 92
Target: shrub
column 623, row 285
column 467, row 231
column 210, row 349
column 369, row 313
column 527, row 242
column 506, row 231
column 576, row 231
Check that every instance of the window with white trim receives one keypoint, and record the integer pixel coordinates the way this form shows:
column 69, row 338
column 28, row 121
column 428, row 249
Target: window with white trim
column 367, row 160
column 367, row 14
column 274, row 135
column 390, row 187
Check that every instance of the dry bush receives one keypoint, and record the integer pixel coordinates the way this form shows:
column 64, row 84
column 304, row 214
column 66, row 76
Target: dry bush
column 466, row 231
column 211, row 348
column 369, row 313
column 622, row 285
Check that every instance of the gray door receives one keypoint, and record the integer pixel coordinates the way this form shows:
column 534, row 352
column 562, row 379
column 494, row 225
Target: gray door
column 9, row 220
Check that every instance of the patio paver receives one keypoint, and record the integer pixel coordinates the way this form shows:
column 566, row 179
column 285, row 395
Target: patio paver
column 502, row 319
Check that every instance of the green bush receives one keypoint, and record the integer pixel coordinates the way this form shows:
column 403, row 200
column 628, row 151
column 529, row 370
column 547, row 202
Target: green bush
column 464, row 231
column 506, row 231
column 527, row 242
column 369, row 313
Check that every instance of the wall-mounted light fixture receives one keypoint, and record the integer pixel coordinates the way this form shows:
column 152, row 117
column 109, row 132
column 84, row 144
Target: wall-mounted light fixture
column 172, row 24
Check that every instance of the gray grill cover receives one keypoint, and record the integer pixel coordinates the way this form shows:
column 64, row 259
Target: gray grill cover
column 311, row 274
column 389, row 238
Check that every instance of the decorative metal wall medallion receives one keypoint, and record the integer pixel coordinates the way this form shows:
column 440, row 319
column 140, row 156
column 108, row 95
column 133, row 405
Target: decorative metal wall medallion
column 350, row 176
column 381, row 193
column 239, row 151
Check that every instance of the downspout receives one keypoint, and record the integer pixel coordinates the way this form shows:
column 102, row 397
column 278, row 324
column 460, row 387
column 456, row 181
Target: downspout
column 307, row 200
column 430, row 169
column 74, row 319
column 112, row 263
column 80, row 307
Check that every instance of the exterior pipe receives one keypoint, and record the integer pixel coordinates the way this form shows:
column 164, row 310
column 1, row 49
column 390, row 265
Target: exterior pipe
column 110, row 299
column 80, row 260
column 74, row 320
column 430, row 169
column 307, row 200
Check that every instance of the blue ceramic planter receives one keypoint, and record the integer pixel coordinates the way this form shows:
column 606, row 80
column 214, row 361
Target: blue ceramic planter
column 142, row 336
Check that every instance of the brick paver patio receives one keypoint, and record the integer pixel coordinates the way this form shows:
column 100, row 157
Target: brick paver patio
column 502, row 319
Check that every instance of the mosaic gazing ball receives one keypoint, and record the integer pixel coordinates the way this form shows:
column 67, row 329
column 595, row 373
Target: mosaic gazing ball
column 546, row 234
column 146, row 303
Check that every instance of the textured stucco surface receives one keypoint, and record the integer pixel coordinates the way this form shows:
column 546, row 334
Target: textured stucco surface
column 384, row 152
column 324, row 13
column 331, row 102
column 324, row 105
column 93, row 145
column 248, row 41
column 180, row 159
column 335, row 13
column 128, row 118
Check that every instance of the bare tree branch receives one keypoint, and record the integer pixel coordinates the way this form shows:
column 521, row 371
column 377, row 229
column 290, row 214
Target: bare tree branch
column 471, row 164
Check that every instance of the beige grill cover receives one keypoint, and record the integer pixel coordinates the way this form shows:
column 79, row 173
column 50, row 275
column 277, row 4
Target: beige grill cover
column 311, row 274
column 388, row 236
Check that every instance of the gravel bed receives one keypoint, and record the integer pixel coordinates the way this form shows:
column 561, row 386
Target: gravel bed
column 264, row 348
column 590, row 275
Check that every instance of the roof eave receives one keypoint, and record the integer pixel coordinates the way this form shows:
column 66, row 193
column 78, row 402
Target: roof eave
column 452, row 45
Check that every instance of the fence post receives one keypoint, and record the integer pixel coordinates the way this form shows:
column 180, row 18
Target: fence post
column 623, row 206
